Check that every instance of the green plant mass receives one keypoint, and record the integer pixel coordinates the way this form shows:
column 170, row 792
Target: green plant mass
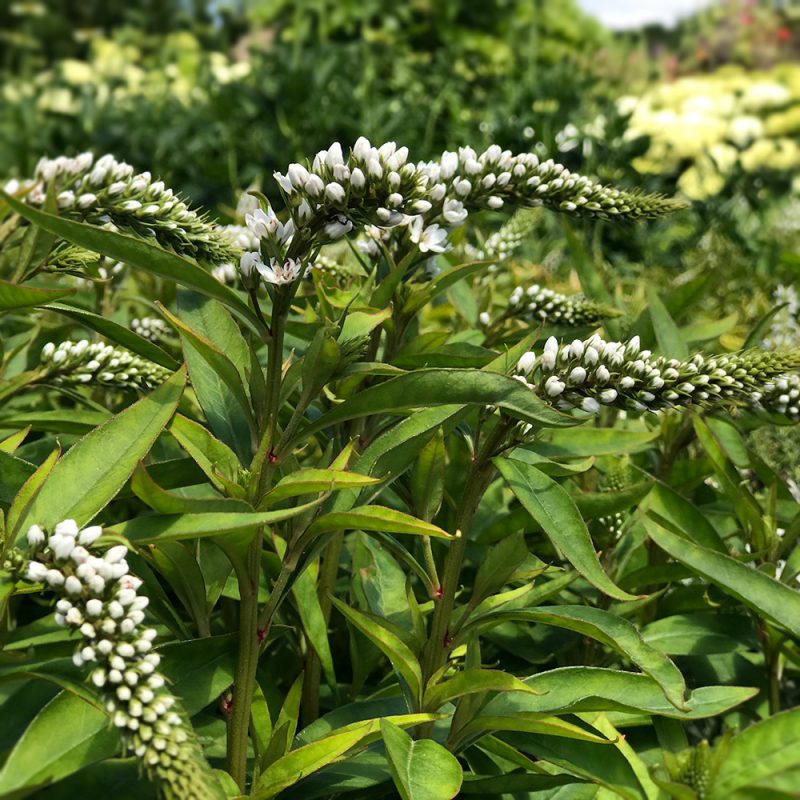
column 398, row 404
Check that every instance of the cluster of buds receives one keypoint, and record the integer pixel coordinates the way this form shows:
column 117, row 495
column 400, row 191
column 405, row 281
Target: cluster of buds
column 154, row 329
column 108, row 192
column 505, row 241
column 464, row 180
column 543, row 305
column 594, row 373
column 371, row 185
column 99, row 599
column 782, row 396
column 615, row 480
column 80, row 363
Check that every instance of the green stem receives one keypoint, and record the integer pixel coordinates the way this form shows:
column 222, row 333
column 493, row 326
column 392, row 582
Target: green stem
column 327, row 583
column 440, row 639
column 249, row 573
column 262, row 466
column 245, row 676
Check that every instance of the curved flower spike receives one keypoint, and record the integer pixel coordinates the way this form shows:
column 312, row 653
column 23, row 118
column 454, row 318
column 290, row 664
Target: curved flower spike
column 80, row 363
column 592, row 373
column 105, row 191
column 99, row 600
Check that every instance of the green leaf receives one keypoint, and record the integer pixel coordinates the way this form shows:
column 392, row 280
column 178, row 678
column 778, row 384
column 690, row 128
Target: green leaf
column 394, row 648
column 315, row 625
column 589, row 441
column 763, row 758
column 29, row 489
column 220, row 464
column 299, row 763
column 497, row 567
column 136, row 252
column 216, row 381
column 766, row 596
column 13, row 296
column 573, row 689
column 701, row 634
column 421, row 770
column 160, row 528
column 12, row 442
column 13, row 474
column 550, row 505
column 528, row 723
column 374, row 518
column 600, row 504
column 471, row 681
column 762, row 326
column 670, row 341
column 358, row 324
column 148, row 491
column 432, row 387
column 118, row 334
column 92, row 472
column 312, row 481
column 614, row 632
column 66, row 735
column 427, row 477
column 73, row 421
column 667, row 504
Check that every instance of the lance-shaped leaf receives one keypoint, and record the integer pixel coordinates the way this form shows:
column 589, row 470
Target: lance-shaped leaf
column 766, row 596
column 311, row 481
column 136, row 252
column 299, row 763
column 159, row 528
column 392, row 646
column 217, row 361
column 432, row 387
column 374, row 518
column 66, row 735
column 421, row 770
column 550, row 505
column 528, row 723
column 572, row 689
column 471, row 681
column 91, row 473
column 616, row 633
column 13, row 296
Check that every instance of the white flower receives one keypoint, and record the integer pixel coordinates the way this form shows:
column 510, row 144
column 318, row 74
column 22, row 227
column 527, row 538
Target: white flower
column 279, row 274
column 335, row 192
column 36, row 571
column 262, row 224
column 89, row 535
column 35, row 535
column 432, row 239
column 526, row 363
column 454, row 212
column 553, row 386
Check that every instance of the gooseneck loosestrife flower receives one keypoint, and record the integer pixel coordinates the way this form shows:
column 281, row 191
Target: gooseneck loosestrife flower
column 108, row 192
column 99, row 599
column 377, row 189
column 80, row 363
column 592, row 373
column 541, row 305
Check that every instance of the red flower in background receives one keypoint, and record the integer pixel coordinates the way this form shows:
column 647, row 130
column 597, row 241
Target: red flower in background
column 783, row 34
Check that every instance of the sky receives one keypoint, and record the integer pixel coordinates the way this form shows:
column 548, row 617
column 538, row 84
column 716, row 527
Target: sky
column 633, row 14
